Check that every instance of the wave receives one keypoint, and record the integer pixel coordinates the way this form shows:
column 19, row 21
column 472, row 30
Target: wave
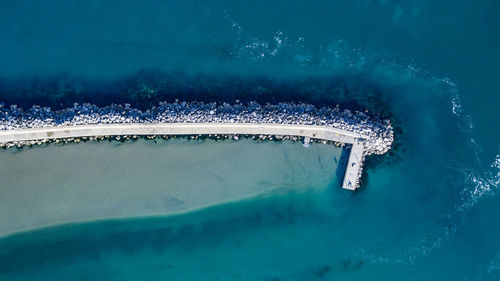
column 391, row 73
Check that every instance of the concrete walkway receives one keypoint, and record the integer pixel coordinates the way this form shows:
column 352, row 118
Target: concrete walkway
column 354, row 167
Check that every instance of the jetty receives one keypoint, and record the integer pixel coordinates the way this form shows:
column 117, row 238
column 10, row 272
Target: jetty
column 283, row 121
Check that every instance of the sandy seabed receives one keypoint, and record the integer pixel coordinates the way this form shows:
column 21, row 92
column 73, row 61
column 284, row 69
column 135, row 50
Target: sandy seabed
column 90, row 181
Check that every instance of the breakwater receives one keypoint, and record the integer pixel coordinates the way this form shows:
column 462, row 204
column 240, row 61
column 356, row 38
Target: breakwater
column 38, row 125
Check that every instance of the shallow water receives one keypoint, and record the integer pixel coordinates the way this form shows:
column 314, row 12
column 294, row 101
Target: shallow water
column 91, row 181
column 429, row 211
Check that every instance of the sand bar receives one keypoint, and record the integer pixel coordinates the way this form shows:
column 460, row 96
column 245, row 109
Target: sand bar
column 92, row 181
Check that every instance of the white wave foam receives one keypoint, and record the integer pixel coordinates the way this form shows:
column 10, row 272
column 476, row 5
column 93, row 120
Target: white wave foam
column 487, row 269
column 340, row 56
column 479, row 180
column 257, row 49
column 480, row 184
column 476, row 186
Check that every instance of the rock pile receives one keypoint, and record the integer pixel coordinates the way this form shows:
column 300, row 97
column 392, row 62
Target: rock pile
column 379, row 133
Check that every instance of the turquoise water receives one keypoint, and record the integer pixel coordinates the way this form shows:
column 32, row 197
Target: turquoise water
column 428, row 211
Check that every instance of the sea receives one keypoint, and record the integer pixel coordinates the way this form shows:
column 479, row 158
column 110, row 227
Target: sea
column 428, row 210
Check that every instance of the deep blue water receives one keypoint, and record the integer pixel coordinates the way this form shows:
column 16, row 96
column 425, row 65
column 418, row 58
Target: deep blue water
column 428, row 211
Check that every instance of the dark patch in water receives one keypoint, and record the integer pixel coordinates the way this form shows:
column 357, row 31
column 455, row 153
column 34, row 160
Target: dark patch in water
column 342, row 164
column 146, row 88
column 348, row 264
column 319, row 161
column 71, row 243
column 322, row 271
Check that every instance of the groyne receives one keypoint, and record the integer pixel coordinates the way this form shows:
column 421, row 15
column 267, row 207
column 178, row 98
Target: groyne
column 282, row 121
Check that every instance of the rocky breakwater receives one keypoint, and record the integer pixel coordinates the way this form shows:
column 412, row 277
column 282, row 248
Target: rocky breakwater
column 378, row 134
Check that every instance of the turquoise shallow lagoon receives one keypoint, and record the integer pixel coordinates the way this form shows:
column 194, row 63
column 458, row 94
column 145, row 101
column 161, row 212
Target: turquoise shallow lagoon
column 427, row 211
column 94, row 181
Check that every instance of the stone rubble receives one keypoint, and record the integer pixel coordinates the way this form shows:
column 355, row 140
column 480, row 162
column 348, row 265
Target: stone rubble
column 379, row 133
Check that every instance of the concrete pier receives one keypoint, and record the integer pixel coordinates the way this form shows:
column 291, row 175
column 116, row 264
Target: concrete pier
column 354, row 166
column 327, row 133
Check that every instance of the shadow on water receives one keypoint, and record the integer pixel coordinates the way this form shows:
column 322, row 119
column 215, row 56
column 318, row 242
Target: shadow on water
column 148, row 87
column 342, row 165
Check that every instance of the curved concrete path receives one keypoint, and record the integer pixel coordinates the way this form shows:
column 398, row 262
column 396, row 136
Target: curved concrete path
column 312, row 131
